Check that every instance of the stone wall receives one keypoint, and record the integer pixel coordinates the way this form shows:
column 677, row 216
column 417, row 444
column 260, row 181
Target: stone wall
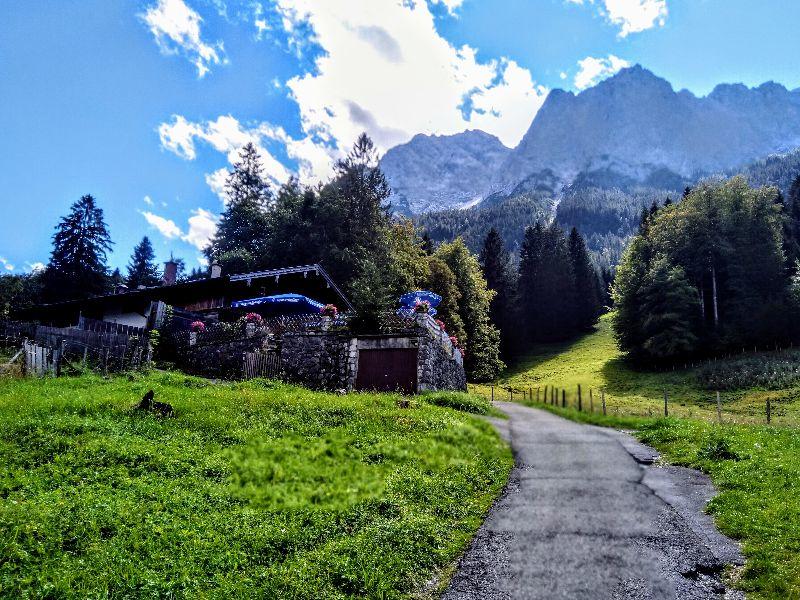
column 329, row 359
column 439, row 366
column 320, row 360
column 220, row 360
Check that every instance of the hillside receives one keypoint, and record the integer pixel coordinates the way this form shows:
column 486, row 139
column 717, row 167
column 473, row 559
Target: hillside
column 252, row 490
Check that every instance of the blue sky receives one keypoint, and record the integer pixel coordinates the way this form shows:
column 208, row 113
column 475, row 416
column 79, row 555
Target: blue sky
column 144, row 103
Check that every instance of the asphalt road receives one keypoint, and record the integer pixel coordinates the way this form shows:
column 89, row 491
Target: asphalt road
column 586, row 515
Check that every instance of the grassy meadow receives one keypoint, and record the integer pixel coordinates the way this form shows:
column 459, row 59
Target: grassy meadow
column 253, row 489
column 593, row 361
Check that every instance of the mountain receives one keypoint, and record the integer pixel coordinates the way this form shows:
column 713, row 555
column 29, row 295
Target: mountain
column 633, row 129
column 442, row 172
column 630, row 131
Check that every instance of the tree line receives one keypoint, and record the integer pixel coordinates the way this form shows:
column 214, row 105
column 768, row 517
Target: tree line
column 715, row 272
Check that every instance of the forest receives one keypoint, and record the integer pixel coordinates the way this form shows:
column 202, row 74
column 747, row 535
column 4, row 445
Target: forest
column 713, row 273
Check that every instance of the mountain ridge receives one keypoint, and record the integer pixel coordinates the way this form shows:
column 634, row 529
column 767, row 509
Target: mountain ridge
column 631, row 129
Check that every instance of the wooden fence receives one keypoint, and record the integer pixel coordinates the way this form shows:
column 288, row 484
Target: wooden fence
column 107, row 327
column 262, row 364
column 47, row 350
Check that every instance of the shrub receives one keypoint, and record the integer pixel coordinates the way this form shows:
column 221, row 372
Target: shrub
column 459, row 401
column 717, row 449
column 772, row 371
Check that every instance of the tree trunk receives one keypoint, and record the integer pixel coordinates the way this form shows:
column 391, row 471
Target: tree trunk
column 703, row 302
column 714, row 294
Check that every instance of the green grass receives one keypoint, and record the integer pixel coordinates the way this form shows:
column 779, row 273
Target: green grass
column 594, row 362
column 252, row 490
column 757, row 472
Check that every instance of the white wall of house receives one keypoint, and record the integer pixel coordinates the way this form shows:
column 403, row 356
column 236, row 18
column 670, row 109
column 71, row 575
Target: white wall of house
column 131, row 318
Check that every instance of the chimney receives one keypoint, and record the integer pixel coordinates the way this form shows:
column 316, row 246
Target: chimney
column 216, row 271
column 170, row 272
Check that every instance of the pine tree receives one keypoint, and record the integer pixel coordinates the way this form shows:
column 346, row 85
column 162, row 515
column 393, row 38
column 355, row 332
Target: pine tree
column 77, row 267
column 670, row 304
column 530, row 258
column 791, row 228
column 142, row 269
column 496, row 264
column 587, row 299
column 239, row 243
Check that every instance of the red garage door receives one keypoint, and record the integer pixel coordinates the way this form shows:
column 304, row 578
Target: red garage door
column 387, row 369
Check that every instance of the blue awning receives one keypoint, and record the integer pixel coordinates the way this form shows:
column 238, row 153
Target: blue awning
column 283, row 303
column 411, row 298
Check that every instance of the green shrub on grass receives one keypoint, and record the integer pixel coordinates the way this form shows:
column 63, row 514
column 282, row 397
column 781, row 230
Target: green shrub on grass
column 462, row 401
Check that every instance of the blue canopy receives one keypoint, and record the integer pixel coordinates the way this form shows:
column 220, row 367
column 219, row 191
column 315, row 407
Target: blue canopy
column 411, row 298
column 409, row 312
column 282, row 303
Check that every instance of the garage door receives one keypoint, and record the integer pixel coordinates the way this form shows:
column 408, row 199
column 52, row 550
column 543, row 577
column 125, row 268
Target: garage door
column 387, row 369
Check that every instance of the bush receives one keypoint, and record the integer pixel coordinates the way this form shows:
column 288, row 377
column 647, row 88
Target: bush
column 459, row 401
column 717, row 449
column 771, row 371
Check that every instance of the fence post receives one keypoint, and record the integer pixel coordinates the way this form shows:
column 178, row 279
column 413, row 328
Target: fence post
column 545, row 394
column 563, row 398
column 580, row 401
column 666, row 398
column 603, row 398
column 537, row 395
column 591, row 401
column 511, row 393
column 769, row 415
column 719, row 409
column 492, row 393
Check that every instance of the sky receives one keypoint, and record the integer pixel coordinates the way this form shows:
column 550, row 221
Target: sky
column 145, row 103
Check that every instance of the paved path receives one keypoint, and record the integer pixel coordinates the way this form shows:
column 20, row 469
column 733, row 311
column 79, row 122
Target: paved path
column 585, row 516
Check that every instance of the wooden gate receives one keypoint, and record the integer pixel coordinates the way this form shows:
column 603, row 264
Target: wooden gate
column 262, row 364
column 387, row 369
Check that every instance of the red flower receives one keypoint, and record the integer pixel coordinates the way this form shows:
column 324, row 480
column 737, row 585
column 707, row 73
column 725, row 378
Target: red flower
column 198, row 326
column 254, row 318
column 422, row 306
column 329, row 310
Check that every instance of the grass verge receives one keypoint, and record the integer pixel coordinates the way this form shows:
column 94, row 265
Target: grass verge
column 252, row 490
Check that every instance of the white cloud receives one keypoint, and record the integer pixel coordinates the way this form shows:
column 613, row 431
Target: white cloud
column 6, row 265
column 226, row 135
column 148, row 200
column 165, row 227
column 176, row 27
column 202, row 226
column 381, row 67
column 202, row 260
column 631, row 16
column 35, row 267
column 593, row 69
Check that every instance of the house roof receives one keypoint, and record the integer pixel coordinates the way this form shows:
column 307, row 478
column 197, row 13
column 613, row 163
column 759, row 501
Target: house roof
column 310, row 280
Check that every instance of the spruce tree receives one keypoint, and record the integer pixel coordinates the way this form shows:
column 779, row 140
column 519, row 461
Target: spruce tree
column 791, row 228
column 496, row 264
column 142, row 269
column 530, row 257
column 77, row 267
column 587, row 299
column 239, row 243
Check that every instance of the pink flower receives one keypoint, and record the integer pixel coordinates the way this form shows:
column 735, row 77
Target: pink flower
column 254, row 318
column 329, row 310
column 422, row 306
column 198, row 326
column 454, row 340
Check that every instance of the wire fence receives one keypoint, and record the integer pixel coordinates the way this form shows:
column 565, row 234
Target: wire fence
column 763, row 407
